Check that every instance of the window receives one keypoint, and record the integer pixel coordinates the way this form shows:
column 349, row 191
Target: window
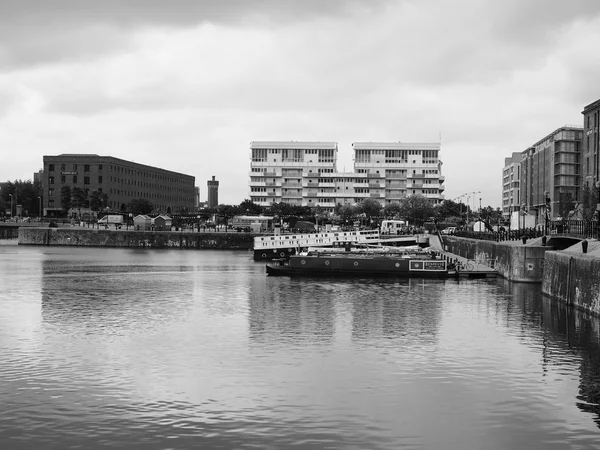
column 100, row 180
column 99, row 166
column 63, row 166
column 62, row 179
column 50, row 180
column 50, row 167
column 74, row 167
column 51, row 203
column 74, row 179
column 86, row 180
column 86, row 168
column 50, row 192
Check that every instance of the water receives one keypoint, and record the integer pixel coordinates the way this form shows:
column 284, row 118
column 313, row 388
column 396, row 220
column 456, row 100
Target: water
column 110, row 348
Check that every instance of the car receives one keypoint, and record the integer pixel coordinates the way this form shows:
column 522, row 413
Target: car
column 449, row 230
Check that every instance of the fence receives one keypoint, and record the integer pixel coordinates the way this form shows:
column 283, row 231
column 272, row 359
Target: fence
column 575, row 228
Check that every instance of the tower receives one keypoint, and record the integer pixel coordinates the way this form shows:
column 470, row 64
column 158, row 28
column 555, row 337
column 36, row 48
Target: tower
column 213, row 193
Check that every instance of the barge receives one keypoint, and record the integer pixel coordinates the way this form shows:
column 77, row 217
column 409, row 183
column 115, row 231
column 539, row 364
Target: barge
column 381, row 262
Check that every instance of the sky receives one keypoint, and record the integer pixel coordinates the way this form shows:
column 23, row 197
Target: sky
column 186, row 85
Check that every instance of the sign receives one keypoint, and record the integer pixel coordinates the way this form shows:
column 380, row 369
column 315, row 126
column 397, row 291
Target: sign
column 68, row 173
column 428, row 265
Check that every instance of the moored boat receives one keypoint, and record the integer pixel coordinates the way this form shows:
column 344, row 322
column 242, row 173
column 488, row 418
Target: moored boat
column 362, row 263
column 271, row 247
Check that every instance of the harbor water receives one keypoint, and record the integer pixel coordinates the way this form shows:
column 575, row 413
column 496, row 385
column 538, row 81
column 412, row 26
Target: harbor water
column 175, row 349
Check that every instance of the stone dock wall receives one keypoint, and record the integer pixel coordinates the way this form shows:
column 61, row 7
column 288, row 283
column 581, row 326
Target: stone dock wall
column 85, row 237
column 570, row 276
column 523, row 263
column 573, row 279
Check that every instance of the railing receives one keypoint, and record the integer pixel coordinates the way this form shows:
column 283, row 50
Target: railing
column 585, row 229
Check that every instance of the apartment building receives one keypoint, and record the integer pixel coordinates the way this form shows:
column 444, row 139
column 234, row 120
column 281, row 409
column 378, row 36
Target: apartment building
column 293, row 172
column 396, row 170
column 511, row 177
column 550, row 171
column 591, row 144
column 305, row 174
column 121, row 180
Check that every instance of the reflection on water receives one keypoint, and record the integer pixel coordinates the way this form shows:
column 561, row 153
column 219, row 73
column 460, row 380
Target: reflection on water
column 178, row 349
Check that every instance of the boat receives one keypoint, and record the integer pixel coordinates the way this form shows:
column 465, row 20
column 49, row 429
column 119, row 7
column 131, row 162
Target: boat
column 386, row 262
column 270, row 247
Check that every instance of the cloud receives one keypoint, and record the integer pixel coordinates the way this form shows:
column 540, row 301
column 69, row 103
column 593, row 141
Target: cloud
column 188, row 87
column 36, row 32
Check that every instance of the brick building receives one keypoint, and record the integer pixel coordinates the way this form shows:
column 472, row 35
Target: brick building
column 121, row 180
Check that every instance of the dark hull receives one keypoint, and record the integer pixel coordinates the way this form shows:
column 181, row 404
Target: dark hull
column 271, row 254
column 357, row 266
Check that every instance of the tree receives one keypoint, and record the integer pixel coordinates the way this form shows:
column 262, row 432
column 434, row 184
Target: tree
column 249, row 207
column 416, row 209
column 346, row 212
column 370, row 208
column 227, row 212
column 590, row 200
column 98, row 201
column 78, row 199
column 24, row 193
column 65, row 198
column 140, row 206
column 392, row 210
column 566, row 204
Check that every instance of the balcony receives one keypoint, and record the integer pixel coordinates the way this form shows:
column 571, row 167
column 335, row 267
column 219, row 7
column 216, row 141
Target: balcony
column 378, row 195
column 310, row 184
column 374, row 175
column 311, row 194
column 375, row 185
column 270, row 174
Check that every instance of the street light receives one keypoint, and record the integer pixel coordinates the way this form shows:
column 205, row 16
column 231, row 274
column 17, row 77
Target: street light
column 40, row 199
column 548, row 209
column 10, row 195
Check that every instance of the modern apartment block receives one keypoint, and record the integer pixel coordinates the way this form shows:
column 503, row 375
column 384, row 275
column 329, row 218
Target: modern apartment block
column 551, row 168
column 305, row 173
column 292, row 172
column 121, row 180
column 511, row 177
column 591, row 144
column 396, row 170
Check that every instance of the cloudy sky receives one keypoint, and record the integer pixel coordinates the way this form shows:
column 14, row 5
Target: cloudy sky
column 187, row 84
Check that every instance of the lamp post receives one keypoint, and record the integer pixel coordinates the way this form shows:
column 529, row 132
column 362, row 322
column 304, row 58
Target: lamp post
column 11, row 214
column 547, row 200
column 40, row 213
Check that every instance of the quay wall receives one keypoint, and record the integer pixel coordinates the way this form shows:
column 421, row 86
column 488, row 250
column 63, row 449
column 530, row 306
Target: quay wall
column 524, row 263
column 573, row 279
column 85, row 237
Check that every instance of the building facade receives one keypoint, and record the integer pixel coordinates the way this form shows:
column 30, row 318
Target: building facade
column 305, row 173
column 396, row 170
column 591, row 144
column 123, row 181
column 293, row 173
column 551, row 173
column 213, row 193
column 511, row 177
